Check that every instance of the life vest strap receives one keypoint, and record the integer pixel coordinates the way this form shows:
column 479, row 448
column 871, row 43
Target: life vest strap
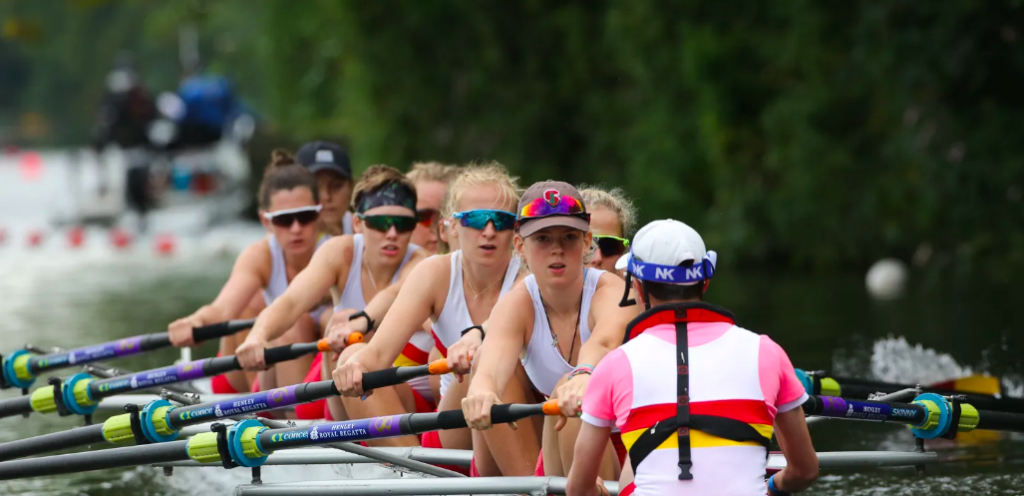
column 723, row 427
column 683, row 400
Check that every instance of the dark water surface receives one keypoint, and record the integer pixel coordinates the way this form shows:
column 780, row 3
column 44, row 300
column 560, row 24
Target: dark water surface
column 72, row 300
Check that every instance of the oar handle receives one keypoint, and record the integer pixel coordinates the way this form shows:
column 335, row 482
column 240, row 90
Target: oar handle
column 293, row 351
column 397, row 375
column 221, row 329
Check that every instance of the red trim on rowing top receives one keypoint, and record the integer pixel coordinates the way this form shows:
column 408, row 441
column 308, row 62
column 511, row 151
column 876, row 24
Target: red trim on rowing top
column 440, row 346
column 747, row 411
column 674, row 315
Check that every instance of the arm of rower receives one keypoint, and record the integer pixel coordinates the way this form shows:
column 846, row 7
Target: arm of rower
column 498, row 356
column 414, row 302
column 610, row 320
column 327, row 266
column 590, row 446
column 801, row 460
column 245, row 280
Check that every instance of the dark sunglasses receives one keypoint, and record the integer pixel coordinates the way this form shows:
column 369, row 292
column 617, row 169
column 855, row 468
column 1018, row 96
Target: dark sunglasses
column 427, row 217
column 285, row 218
column 611, row 246
column 383, row 223
column 478, row 219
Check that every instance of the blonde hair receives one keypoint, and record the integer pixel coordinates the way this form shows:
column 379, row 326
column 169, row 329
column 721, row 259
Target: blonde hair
column 476, row 175
column 433, row 172
column 376, row 177
column 614, row 200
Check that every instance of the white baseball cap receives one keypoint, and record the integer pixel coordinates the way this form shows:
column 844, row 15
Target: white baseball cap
column 660, row 247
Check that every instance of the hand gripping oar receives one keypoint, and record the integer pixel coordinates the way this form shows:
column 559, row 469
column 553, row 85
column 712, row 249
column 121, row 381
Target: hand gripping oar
column 80, row 394
column 819, row 383
column 929, row 416
column 247, row 443
column 160, row 421
column 20, row 368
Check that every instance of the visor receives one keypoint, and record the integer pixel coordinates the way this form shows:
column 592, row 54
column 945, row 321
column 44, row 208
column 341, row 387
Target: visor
column 669, row 274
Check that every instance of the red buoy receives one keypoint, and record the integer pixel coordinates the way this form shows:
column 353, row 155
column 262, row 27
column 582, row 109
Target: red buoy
column 31, row 165
column 35, row 238
column 76, row 237
column 165, row 244
column 120, row 238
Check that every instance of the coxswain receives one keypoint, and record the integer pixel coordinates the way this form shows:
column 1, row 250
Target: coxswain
column 697, row 397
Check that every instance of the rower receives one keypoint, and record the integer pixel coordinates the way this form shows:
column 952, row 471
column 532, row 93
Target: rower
column 694, row 395
column 479, row 209
column 612, row 221
column 329, row 162
column 561, row 306
column 361, row 266
column 431, row 180
column 288, row 199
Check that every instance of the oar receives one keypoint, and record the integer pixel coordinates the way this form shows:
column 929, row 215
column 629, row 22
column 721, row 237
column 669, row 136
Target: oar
column 819, row 383
column 248, row 443
column 929, row 415
column 20, row 368
column 160, row 422
column 80, row 394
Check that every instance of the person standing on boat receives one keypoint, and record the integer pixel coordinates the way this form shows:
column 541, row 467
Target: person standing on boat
column 560, row 306
column 360, row 265
column 329, row 162
column 478, row 206
column 289, row 208
column 695, row 396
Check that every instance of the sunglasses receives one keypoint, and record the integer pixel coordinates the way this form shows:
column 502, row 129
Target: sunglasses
column 427, row 217
column 285, row 218
column 478, row 219
column 552, row 204
column 384, row 223
column 611, row 246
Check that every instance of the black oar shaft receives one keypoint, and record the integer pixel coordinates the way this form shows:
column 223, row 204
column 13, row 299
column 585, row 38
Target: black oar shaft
column 94, row 460
column 16, row 406
column 79, row 436
column 1000, row 421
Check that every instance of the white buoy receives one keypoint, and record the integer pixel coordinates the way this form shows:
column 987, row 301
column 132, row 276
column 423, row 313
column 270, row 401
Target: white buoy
column 886, row 279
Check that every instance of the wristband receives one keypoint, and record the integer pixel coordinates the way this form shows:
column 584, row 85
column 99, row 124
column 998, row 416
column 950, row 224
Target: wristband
column 480, row 328
column 774, row 491
column 583, row 368
column 369, row 321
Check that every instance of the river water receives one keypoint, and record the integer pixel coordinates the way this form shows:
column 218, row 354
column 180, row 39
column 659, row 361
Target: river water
column 55, row 296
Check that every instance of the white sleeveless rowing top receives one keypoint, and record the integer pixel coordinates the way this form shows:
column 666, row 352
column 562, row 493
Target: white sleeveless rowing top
column 417, row 349
column 454, row 316
column 352, row 295
column 346, row 224
column 543, row 361
column 278, row 282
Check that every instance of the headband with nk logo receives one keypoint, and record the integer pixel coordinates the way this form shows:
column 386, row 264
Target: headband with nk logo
column 673, row 274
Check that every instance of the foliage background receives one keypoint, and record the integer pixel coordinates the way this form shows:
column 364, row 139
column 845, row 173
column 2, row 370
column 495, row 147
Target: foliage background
column 793, row 134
